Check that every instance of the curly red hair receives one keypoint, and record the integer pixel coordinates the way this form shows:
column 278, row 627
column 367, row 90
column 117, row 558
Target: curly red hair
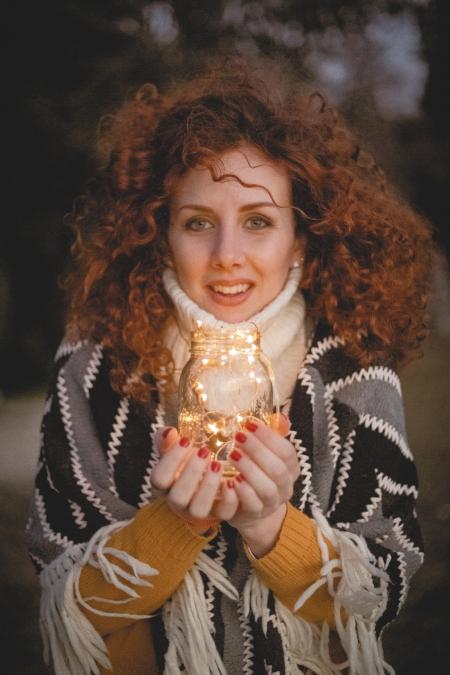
column 368, row 255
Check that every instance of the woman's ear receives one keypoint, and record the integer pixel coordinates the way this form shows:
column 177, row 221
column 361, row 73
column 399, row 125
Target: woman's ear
column 298, row 251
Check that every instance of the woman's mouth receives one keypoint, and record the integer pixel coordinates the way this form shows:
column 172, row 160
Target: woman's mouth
column 230, row 295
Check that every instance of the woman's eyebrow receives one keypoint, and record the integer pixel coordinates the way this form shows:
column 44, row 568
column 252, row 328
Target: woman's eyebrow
column 244, row 207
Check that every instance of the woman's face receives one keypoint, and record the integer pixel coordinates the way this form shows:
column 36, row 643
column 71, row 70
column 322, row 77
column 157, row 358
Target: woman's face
column 231, row 245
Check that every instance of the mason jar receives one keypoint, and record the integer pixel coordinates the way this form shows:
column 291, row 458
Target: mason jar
column 226, row 381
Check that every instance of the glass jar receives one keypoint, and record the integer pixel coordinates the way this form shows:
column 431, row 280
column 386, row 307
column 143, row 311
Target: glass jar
column 226, row 381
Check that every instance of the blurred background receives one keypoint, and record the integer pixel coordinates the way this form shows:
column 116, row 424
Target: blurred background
column 384, row 64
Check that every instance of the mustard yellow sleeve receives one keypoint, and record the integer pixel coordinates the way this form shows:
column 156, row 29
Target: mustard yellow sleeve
column 293, row 564
column 155, row 536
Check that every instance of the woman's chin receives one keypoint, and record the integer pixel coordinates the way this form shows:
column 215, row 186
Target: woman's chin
column 231, row 309
column 230, row 314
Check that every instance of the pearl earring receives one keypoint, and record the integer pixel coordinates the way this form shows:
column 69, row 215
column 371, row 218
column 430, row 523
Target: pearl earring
column 295, row 264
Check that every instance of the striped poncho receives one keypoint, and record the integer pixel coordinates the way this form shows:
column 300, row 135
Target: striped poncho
column 358, row 482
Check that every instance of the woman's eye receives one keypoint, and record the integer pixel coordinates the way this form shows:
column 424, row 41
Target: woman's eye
column 198, row 225
column 258, row 223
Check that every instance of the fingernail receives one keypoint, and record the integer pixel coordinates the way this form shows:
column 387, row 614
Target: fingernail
column 230, row 483
column 166, row 432
column 203, row 452
column 236, row 455
column 184, row 442
column 240, row 437
column 240, row 478
column 215, row 466
column 251, row 426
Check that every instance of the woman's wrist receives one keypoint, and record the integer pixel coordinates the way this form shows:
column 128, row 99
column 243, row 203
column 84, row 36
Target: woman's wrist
column 262, row 535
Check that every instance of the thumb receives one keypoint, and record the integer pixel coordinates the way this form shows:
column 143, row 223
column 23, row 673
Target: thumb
column 165, row 438
column 281, row 423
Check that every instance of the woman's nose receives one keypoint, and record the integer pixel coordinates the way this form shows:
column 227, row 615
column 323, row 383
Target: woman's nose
column 228, row 249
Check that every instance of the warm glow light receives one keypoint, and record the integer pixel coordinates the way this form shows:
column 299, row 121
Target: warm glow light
column 221, row 388
column 213, row 428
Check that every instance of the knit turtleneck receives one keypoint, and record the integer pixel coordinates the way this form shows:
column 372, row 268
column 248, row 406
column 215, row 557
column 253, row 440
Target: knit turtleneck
column 284, row 328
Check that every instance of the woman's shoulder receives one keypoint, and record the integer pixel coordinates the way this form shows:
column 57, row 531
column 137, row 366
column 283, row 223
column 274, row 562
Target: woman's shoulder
column 80, row 361
column 329, row 354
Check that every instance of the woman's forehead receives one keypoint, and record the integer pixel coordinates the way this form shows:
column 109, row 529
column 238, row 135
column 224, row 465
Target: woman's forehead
column 244, row 172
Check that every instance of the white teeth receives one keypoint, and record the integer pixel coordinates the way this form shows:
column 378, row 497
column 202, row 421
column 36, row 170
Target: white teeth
column 231, row 290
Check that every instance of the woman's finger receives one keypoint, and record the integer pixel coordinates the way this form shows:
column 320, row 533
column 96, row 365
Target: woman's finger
column 271, row 439
column 188, row 480
column 227, row 504
column 203, row 500
column 165, row 437
column 265, row 466
column 268, row 492
column 166, row 470
column 249, row 502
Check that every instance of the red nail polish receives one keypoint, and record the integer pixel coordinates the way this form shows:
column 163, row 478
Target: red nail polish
column 166, row 432
column 240, row 478
column 215, row 466
column 203, row 452
column 184, row 442
column 230, row 483
column 251, row 426
column 236, row 455
column 240, row 437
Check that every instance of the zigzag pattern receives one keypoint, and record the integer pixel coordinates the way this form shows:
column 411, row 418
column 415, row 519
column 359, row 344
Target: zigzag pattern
column 333, row 431
column 37, row 560
column 45, row 525
column 305, row 469
column 344, row 470
column 316, row 352
column 146, row 487
column 306, row 381
column 375, row 501
column 85, row 487
column 402, row 568
column 248, row 641
column 78, row 515
column 92, row 369
column 404, row 541
column 368, row 374
column 115, row 440
column 395, row 488
column 383, row 427
column 209, row 592
column 67, row 348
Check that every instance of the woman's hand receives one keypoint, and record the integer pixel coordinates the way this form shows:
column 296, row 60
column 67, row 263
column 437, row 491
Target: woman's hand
column 268, row 467
column 192, row 482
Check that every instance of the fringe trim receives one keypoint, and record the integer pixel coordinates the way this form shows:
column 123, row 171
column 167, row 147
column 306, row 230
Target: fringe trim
column 361, row 591
column 188, row 621
column 70, row 640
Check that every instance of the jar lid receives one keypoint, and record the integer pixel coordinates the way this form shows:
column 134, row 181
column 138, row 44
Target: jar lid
column 245, row 340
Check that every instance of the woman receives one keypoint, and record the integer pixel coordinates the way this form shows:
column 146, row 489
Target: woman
column 226, row 200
